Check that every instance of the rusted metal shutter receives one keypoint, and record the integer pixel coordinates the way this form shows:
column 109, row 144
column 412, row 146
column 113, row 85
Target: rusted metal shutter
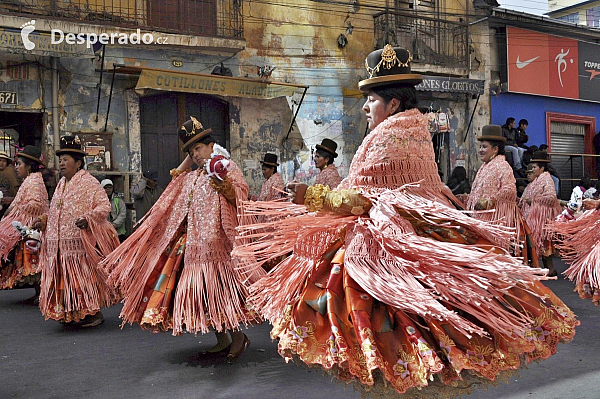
column 567, row 138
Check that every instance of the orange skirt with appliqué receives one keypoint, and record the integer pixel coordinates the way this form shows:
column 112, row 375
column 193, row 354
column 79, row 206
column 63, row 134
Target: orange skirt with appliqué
column 337, row 325
column 21, row 268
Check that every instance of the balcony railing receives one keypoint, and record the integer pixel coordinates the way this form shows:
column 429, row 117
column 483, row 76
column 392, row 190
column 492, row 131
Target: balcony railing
column 222, row 18
column 430, row 40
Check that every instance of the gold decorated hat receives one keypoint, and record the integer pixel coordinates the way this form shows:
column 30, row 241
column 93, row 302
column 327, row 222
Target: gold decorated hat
column 192, row 131
column 388, row 66
column 70, row 145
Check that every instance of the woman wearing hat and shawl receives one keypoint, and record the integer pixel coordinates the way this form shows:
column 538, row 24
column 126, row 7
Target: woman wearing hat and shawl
column 175, row 271
column 19, row 263
column 324, row 156
column 540, row 206
column 76, row 237
column 494, row 191
column 389, row 286
column 273, row 186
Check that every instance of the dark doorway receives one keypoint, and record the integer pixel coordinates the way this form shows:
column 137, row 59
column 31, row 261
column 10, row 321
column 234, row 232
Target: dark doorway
column 160, row 118
column 23, row 128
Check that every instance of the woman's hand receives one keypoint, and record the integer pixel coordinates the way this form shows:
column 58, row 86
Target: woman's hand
column 39, row 223
column 82, row 223
column 591, row 204
column 296, row 192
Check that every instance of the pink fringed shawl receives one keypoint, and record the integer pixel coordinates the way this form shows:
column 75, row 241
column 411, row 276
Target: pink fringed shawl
column 329, row 177
column 210, row 291
column 75, row 253
column 544, row 208
column 30, row 202
column 495, row 181
column 272, row 188
column 384, row 256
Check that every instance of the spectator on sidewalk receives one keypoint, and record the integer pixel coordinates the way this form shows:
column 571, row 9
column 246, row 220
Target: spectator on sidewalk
column 118, row 209
column 145, row 193
column 510, row 134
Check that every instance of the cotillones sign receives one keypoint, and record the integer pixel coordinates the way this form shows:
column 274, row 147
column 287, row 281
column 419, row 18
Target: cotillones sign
column 212, row 84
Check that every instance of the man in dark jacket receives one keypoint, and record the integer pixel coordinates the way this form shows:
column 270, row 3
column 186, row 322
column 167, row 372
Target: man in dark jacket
column 145, row 193
column 510, row 133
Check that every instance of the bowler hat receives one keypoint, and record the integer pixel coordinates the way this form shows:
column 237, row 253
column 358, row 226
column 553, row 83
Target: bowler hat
column 328, row 145
column 388, row 66
column 540, row 157
column 4, row 155
column 270, row 160
column 491, row 133
column 70, row 145
column 33, row 153
column 151, row 174
column 192, row 131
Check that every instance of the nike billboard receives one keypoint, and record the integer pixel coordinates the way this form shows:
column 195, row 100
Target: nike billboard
column 549, row 65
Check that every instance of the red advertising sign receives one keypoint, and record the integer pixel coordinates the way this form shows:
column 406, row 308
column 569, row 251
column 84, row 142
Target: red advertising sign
column 549, row 65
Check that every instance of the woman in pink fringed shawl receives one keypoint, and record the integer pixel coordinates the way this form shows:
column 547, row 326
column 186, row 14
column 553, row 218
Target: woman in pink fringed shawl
column 578, row 242
column 387, row 284
column 274, row 185
column 324, row 156
column 494, row 194
column 19, row 262
column 176, row 272
column 77, row 235
column 540, row 207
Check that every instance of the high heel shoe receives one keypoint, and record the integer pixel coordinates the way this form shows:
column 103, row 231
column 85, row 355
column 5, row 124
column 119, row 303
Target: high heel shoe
column 232, row 357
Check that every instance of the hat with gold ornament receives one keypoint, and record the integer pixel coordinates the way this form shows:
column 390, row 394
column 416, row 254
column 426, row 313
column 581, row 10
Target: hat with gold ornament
column 388, row 66
column 192, row 131
column 70, row 145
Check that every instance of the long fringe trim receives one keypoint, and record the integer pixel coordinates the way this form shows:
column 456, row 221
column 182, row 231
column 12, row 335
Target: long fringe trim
column 537, row 217
column 9, row 236
column 578, row 242
column 505, row 213
column 210, row 295
column 72, row 286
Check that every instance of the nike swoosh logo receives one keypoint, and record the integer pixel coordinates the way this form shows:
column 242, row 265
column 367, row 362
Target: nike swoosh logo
column 593, row 73
column 523, row 64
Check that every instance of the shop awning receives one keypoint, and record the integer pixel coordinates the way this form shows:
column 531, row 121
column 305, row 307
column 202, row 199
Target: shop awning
column 200, row 83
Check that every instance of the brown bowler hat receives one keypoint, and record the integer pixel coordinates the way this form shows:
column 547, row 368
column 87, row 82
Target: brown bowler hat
column 4, row 155
column 540, row 157
column 33, row 153
column 270, row 160
column 491, row 133
column 328, row 145
column 388, row 66
column 70, row 145
column 192, row 131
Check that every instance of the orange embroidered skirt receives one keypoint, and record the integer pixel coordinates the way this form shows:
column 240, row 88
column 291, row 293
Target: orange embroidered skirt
column 338, row 326
column 21, row 268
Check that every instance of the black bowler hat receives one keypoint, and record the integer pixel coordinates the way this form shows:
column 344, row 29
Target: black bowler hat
column 192, row 131
column 491, row 133
column 388, row 66
column 328, row 145
column 151, row 174
column 70, row 145
column 540, row 157
column 33, row 153
column 270, row 160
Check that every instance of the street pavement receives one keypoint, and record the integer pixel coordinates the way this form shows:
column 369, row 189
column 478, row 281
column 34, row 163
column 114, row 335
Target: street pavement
column 43, row 359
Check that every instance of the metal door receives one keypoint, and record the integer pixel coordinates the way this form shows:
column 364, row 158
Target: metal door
column 567, row 138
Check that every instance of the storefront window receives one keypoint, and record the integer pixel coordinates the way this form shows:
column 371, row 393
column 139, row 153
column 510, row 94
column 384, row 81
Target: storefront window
column 573, row 18
column 593, row 17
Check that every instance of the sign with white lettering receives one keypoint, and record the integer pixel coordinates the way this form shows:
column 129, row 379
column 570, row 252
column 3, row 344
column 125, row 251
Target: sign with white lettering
column 452, row 85
column 9, row 97
column 212, row 84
